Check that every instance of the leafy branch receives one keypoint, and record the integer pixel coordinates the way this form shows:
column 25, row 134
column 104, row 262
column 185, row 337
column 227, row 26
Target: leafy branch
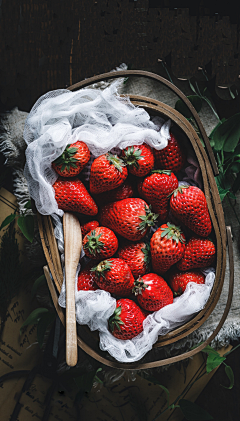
column 224, row 140
column 25, row 222
column 190, row 410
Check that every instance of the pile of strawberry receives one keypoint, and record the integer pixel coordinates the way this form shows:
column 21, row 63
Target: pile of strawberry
column 142, row 267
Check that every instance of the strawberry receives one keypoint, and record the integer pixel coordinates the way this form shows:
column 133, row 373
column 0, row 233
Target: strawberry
column 128, row 217
column 88, row 226
column 198, row 253
column 137, row 257
column 107, row 173
column 127, row 320
column 100, row 243
column 167, row 247
column 178, row 280
column 72, row 195
column 86, row 280
column 73, row 159
column 139, row 159
column 114, row 276
column 156, row 188
column 122, row 192
column 189, row 205
column 152, row 292
column 139, row 188
column 170, row 158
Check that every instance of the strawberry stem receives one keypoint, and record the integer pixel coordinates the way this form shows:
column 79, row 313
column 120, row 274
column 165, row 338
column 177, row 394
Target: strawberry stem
column 131, row 156
column 115, row 319
column 167, row 172
column 101, row 268
column 116, row 161
column 67, row 160
column 93, row 245
column 139, row 286
column 148, row 220
column 174, row 232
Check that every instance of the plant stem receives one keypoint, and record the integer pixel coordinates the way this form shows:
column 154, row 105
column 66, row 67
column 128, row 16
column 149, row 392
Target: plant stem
column 183, row 393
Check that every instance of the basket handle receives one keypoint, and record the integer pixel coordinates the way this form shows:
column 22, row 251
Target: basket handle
column 125, row 73
column 171, row 360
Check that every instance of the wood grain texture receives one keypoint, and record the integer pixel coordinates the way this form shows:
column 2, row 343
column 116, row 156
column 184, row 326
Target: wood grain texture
column 72, row 251
column 51, row 45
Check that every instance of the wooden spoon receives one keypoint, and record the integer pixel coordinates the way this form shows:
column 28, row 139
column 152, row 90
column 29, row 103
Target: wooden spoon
column 72, row 247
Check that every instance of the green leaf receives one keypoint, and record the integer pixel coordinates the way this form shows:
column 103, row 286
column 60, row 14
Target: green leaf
column 184, row 110
column 28, row 205
column 193, row 412
column 213, row 361
column 227, row 134
column 209, row 350
column 230, row 375
column 45, row 320
column 192, row 87
column 39, row 282
column 235, row 167
column 26, row 225
column 8, row 220
column 34, row 317
column 213, row 131
column 222, row 192
column 236, row 184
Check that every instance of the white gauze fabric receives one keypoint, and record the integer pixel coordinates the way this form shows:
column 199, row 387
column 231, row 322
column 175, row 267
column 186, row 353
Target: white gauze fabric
column 101, row 119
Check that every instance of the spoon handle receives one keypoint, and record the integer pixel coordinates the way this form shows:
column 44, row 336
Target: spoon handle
column 72, row 246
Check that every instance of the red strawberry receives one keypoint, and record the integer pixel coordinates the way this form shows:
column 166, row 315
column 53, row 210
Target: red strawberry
column 129, row 218
column 72, row 160
column 189, row 205
column 72, row 195
column 107, row 172
column 198, row 253
column 152, row 292
column 122, row 192
column 100, row 243
column 137, row 257
column 86, row 280
column 89, row 226
column 172, row 157
column 156, row 188
column 114, row 276
column 139, row 159
column 139, row 188
column 178, row 280
column 127, row 320
column 167, row 247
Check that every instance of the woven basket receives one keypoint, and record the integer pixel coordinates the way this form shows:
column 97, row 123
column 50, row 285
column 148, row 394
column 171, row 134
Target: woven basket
column 88, row 340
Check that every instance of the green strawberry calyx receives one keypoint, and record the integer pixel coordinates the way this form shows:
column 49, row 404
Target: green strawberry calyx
column 147, row 254
column 93, row 244
column 167, row 172
column 139, row 286
column 148, row 220
column 101, row 268
column 116, row 161
column 67, row 160
column 173, row 232
column 179, row 189
column 115, row 319
column 132, row 156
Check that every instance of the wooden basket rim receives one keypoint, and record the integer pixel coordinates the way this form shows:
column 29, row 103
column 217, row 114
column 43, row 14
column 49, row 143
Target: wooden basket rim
column 211, row 192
